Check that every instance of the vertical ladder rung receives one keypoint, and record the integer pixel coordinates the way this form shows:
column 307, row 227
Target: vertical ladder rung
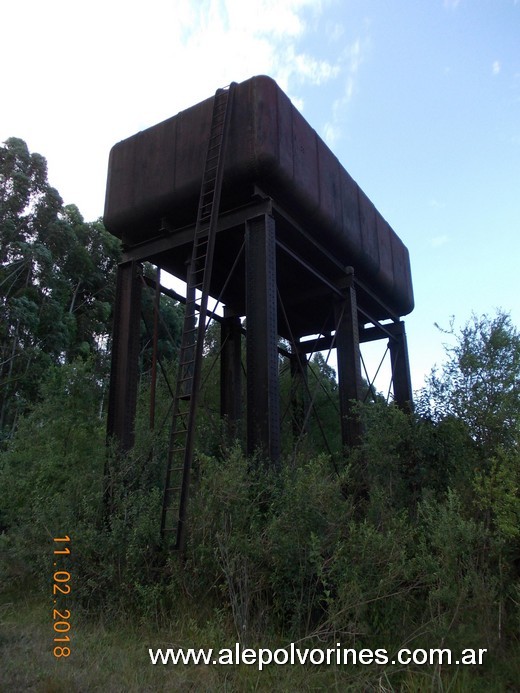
column 190, row 357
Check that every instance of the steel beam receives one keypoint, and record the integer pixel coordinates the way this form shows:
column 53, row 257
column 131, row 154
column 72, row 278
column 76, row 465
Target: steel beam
column 180, row 298
column 402, row 382
column 155, row 346
column 366, row 334
column 299, row 387
column 125, row 354
column 171, row 237
column 330, row 286
column 263, row 400
column 349, row 362
column 231, row 373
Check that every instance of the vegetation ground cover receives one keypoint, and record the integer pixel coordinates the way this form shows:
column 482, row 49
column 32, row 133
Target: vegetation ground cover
column 410, row 540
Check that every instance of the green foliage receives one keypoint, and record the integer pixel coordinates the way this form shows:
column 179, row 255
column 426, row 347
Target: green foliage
column 459, row 557
column 169, row 326
column 303, row 383
column 307, row 515
column 497, row 494
column 479, row 384
column 410, row 540
column 406, row 455
column 295, row 554
column 56, row 282
column 226, row 551
column 51, row 474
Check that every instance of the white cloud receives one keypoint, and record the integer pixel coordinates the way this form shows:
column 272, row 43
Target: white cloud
column 352, row 60
column 334, row 31
column 301, row 68
column 451, row 4
column 438, row 241
column 298, row 103
column 496, row 67
column 85, row 75
column 331, row 133
column 260, row 36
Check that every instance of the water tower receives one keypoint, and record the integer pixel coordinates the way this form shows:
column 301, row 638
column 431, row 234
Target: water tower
column 240, row 198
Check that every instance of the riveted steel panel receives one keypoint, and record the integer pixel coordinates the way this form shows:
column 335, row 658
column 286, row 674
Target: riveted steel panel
column 158, row 173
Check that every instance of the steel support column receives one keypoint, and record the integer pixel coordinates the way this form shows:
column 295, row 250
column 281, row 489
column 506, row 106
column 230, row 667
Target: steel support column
column 190, row 325
column 155, row 346
column 231, row 373
column 299, row 388
column 402, row 382
column 349, row 362
column 263, row 400
column 125, row 354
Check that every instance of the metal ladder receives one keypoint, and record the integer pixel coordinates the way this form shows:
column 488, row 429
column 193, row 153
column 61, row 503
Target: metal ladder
column 182, row 433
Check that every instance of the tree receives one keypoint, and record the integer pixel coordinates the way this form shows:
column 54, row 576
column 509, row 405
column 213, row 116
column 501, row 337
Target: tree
column 480, row 382
column 57, row 281
column 87, row 276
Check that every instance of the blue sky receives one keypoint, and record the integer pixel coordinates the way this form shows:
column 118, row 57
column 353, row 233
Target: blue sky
column 420, row 101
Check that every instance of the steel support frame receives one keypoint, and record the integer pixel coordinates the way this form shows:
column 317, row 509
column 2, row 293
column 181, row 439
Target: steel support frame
column 299, row 366
column 349, row 362
column 171, row 238
column 263, row 396
column 122, row 400
column 231, row 373
column 402, row 381
column 263, row 419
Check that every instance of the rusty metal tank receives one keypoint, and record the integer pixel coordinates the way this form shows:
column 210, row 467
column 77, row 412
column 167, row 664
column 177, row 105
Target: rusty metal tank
column 157, row 173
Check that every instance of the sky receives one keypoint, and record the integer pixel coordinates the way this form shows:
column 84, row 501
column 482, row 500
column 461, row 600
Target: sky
column 420, row 102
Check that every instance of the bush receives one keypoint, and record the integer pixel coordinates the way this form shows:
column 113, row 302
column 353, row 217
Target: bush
column 52, row 472
column 411, row 540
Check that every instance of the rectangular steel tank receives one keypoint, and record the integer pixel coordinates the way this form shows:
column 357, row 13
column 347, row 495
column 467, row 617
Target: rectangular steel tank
column 158, row 172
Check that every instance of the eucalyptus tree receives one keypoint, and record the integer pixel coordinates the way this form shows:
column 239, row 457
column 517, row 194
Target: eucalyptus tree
column 56, row 280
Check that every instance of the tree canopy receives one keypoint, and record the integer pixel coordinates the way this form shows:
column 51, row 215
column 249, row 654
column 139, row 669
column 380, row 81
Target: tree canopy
column 56, row 280
column 479, row 383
